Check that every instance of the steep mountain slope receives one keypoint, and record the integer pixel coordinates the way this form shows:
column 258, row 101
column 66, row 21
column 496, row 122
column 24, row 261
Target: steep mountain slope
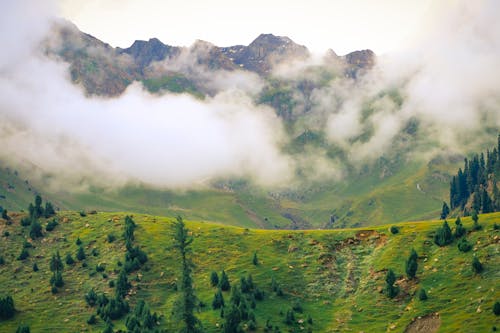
column 335, row 277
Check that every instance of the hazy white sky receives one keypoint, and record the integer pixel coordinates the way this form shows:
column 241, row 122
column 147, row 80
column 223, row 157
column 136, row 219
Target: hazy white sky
column 343, row 25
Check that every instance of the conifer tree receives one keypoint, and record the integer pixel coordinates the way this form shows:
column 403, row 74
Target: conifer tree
column 390, row 289
column 187, row 301
column 411, row 264
column 214, row 279
column 443, row 235
column 477, row 266
column 445, row 211
column 224, row 284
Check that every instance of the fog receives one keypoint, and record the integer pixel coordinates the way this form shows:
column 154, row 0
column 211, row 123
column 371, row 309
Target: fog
column 447, row 78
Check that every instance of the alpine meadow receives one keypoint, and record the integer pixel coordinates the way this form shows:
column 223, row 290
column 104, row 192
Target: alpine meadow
column 270, row 166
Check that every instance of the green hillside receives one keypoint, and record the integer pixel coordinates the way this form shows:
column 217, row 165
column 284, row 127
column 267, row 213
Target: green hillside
column 387, row 193
column 337, row 276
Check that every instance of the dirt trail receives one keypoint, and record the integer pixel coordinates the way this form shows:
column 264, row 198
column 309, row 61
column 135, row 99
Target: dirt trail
column 427, row 324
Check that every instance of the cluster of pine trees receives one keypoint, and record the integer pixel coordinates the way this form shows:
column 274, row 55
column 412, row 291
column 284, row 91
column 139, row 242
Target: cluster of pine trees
column 477, row 182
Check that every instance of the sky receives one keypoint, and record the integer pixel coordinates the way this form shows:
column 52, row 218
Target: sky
column 342, row 25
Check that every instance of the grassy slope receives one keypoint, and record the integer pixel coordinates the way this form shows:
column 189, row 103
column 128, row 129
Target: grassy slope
column 366, row 200
column 336, row 274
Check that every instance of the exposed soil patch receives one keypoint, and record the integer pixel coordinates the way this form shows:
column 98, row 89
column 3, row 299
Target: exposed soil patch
column 426, row 324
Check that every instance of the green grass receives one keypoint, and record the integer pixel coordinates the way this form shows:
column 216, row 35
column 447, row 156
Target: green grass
column 386, row 193
column 336, row 274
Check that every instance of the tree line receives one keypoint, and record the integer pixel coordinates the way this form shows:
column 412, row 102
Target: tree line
column 475, row 188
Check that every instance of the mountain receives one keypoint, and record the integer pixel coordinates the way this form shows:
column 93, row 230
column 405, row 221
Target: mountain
column 146, row 52
column 265, row 51
column 330, row 281
column 107, row 71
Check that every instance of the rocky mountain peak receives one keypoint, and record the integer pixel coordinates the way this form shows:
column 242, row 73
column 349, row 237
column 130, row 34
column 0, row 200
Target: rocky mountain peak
column 146, row 52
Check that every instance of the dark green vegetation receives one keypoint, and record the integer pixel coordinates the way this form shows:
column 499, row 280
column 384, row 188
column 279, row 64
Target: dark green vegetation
column 475, row 188
column 320, row 280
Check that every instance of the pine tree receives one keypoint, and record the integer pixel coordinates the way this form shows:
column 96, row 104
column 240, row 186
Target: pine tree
column 443, row 235
column 49, row 210
column 56, row 263
column 475, row 218
column 38, row 212
column 445, row 211
column 477, row 266
column 459, row 229
column 122, row 284
column 218, row 301
column 224, row 284
column 7, row 308
column 35, row 229
column 255, row 260
column 411, row 264
column 80, row 254
column 187, row 301
column 214, row 279
column 390, row 278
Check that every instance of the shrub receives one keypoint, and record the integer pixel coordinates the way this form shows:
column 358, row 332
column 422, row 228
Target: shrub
column 23, row 329
column 23, row 255
column 477, row 266
column 464, row 245
column 2, row 261
column 78, row 241
column 51, row 225
column 422, row 295
column 82, row 213
column 496, row 226
column 91, row 297
column 111, row 238
column 114, row 309
column 35, row 267
column 35, row 230
column 25, row 221
column 92, row 320
column 69, row 259
column 6, row 233
column 496, row 308
column 80, row 254
column 7, row 309
column 297, row 307
column 251, row 325
column 290, row 317
column 100, row 268
column 394, row 230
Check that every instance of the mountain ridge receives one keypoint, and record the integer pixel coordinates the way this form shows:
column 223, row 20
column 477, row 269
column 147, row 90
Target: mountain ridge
column 107, row 71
